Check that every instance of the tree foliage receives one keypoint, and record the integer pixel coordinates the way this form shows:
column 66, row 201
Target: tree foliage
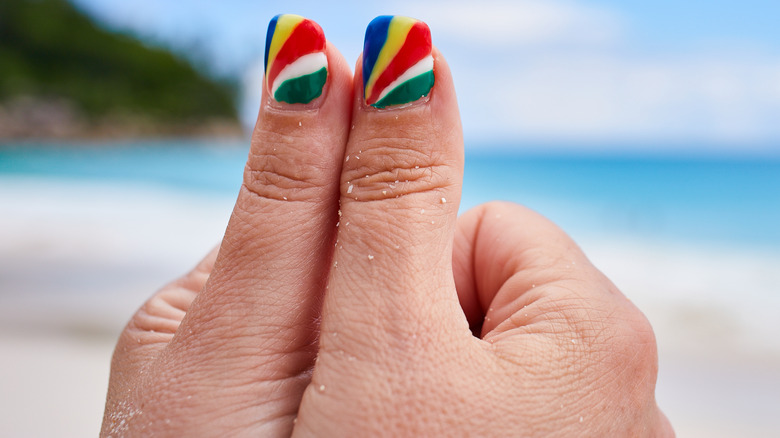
column 50, row 49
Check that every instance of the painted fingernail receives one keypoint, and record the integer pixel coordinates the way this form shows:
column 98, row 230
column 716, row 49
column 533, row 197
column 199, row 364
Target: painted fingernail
column 296, row 67
column 397, row 61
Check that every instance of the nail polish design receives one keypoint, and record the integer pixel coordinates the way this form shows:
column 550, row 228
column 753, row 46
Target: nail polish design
column 296, row 67
column 397, row 61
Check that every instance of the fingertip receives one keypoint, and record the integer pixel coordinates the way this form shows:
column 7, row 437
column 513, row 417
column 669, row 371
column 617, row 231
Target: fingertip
column 443, row 92
column 399, row 194
column 286, row 208
column 335, row 95
column 340, row 80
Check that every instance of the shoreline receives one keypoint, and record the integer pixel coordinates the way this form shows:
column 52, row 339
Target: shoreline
column 84, row 143
column 110, row 132
column 51, row 120
column 111, row 245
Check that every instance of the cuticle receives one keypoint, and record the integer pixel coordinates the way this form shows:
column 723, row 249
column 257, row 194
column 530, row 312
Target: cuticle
column 312, row 106
column 419, row 102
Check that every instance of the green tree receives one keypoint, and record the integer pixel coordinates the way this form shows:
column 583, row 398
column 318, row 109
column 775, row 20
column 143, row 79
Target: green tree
column 50, row 49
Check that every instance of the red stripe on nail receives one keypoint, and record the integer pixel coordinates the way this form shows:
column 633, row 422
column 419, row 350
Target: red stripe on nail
column 416, row 47
column 306, row 38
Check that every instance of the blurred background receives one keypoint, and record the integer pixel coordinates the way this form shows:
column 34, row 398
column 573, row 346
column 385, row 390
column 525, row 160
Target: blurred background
column 650, row 131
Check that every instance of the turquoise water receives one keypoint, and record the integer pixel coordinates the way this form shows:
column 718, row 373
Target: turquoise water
column 700, row 200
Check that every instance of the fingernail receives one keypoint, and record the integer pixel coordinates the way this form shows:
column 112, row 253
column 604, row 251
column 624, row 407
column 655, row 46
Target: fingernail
column 296, row 67
column 397, row 61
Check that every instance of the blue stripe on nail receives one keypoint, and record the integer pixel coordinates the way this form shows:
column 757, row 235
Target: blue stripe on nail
column 268, row 36
column 376, row 35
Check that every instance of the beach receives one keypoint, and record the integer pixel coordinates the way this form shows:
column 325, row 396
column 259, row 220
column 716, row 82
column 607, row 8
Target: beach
column 647, row 131
column 80, row 253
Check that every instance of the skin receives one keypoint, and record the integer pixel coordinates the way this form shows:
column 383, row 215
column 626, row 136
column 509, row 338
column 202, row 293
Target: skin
column 343, row 303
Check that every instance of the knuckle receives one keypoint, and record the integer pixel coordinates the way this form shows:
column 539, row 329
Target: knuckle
column 641, row 344
column 613, row 349
column 619, row 339
column 279, row 169
column 628, row 357
column 160, row 316
column 270, row 177
column 630, row 342
column 634, row 366
column 385, row 170
column 497, row 207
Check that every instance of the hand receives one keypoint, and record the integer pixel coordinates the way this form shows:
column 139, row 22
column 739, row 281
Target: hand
column 560, row 351
column 346, row 299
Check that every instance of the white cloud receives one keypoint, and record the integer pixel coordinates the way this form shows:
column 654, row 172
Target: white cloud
column 560, row 71
column 605, row 97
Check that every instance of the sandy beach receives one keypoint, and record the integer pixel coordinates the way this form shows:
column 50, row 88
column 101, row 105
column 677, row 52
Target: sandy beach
column 78, row 258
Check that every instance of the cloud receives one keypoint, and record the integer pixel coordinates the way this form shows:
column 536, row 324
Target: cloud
column 608, row 98
column 556, row 71
column 560, row 71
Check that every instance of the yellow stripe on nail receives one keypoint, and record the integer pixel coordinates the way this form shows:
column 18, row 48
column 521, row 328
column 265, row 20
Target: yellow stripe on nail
column 284, row 28
column 396, row 36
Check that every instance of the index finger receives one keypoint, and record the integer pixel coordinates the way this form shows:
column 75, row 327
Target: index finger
column 507, row 258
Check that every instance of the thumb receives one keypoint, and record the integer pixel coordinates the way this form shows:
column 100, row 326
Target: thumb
column 400, row 189
column 391, row 315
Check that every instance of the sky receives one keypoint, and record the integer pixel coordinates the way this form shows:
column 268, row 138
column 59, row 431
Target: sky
column 663, row 75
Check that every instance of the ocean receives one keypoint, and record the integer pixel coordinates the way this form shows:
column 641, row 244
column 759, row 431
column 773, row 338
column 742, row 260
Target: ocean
column 702, row 200
column 680, row 236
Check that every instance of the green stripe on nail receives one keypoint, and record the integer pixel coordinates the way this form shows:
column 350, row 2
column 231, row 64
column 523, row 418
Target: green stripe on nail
column 302, row 89
column 409, row 91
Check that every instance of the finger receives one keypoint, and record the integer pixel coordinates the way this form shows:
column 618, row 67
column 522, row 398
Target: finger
column 255, row 320
column 400, row 189
column 516, row 269
column 544, row 302
column 154, row 324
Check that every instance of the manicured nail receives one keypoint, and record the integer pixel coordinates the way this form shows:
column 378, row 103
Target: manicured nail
column 296, row 67
column 397, row 61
